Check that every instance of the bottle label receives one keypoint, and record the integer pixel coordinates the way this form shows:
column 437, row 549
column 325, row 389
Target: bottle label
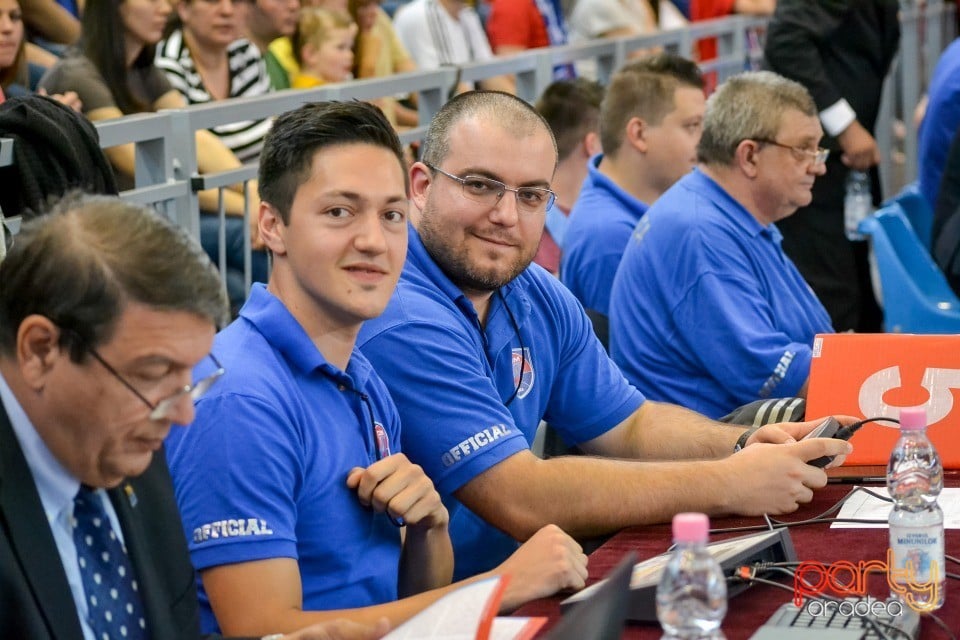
column 917, row 554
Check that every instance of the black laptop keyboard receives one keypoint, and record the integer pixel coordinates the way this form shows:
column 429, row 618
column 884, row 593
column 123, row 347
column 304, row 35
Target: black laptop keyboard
column 905, row 626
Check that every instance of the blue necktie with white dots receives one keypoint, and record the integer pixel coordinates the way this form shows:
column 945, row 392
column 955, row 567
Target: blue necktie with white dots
column 115, row 611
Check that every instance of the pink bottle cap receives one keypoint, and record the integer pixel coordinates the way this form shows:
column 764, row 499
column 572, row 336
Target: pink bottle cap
column 913, row 418
column 691, row 527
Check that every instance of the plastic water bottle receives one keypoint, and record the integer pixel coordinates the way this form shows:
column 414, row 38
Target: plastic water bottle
column 692, row 594
column 915, row 479
column 857, row 203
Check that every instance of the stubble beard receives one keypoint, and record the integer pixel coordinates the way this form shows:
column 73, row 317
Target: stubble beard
column 455, row 260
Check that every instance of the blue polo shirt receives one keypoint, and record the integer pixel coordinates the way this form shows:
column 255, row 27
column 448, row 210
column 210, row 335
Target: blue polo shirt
column 451, row 380
column 601, row 222
column 940, row 122
column 262, row 471
column 707, row 310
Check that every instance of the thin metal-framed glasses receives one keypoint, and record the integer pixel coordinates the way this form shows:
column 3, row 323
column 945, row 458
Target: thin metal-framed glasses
column 817, row 157
column 530, row 200
column 162, row 409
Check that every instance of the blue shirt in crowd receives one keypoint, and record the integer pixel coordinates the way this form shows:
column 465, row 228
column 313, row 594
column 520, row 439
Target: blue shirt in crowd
column 707, row 311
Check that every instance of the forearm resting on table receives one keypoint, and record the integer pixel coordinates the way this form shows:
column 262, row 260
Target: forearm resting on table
column 587, row 496
column 264, row 597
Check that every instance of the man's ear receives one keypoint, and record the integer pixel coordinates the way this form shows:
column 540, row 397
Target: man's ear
column 591, row 144
column 272, row 229
column 635, row 134
column 420, row 181
column 747, row 157
column 38, row 349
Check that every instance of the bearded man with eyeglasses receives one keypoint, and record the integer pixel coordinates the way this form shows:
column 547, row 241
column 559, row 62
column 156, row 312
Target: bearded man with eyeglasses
column 478, row 345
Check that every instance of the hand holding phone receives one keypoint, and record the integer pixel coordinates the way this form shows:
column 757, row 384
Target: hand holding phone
column 830, row 428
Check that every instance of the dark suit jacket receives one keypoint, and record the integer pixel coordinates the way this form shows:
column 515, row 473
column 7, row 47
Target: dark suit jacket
column 35, row 599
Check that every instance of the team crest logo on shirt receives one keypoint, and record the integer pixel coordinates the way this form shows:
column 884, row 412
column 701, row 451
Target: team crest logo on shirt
column 522, row 379
column 383, row 441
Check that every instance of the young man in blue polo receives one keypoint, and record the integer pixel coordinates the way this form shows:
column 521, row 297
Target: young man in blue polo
column 295, row 497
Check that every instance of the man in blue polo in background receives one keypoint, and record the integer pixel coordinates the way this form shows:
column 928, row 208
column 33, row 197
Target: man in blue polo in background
column 707, row 311
column 650, row 122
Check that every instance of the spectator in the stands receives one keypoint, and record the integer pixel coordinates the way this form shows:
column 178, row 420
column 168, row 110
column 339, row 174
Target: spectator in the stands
column 268, row 20
column 517, row 25
column 441, row 33
column 572, row 109
column 205, row 59
column 114, row 75
column 18, row 75
column 378, row 52
column 614, row 18
column 323, row 44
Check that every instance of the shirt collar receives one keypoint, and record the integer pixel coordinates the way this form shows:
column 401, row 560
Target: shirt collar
column 700, row 182
column 286, row 335
column 56, row 486
column 601, row 180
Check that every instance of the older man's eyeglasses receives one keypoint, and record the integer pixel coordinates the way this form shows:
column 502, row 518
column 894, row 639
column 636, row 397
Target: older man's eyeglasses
column 162, row 409
column 530, row 200
column 816, row 156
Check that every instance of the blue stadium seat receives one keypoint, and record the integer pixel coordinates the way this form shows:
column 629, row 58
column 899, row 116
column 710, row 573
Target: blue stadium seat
column 918, row 211
column 916, row 296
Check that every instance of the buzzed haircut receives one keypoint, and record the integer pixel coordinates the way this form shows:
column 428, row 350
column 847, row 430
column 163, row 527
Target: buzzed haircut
column 507, row 110
column 572, row 110
column 644, row 88
column 748, row 106
column 297, row 135
column 80, row 264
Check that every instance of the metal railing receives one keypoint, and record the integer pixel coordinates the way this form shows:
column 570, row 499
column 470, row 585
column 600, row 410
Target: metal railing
column 166, row 166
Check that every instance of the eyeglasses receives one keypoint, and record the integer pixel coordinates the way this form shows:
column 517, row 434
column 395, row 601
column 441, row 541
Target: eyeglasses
column 818, row 156
column 530, row 200
column 162, row 409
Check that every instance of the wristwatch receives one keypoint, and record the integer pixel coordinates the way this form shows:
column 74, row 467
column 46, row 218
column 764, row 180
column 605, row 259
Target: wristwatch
column 742, row 440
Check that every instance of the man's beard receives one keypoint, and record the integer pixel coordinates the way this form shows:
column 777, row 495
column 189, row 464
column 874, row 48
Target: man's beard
column 455, row 260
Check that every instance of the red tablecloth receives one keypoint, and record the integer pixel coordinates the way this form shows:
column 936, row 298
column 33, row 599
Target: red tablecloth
column 750, row 609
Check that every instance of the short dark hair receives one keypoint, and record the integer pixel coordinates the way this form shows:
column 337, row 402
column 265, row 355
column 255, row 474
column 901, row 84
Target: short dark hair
column 297, row 135
column 508, row 110
column 644, row 88
column 572, row 109
column 84, row 260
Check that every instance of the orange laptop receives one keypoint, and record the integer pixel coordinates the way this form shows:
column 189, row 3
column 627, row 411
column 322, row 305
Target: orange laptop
column 874, row 375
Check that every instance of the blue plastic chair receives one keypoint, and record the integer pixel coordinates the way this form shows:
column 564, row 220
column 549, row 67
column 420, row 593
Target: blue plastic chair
column 916, row 296
column 918, row 211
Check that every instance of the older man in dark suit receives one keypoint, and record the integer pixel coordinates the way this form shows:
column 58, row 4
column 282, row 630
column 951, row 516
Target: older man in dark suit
column 105, row 308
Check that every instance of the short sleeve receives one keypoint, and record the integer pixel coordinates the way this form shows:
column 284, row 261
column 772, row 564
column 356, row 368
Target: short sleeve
column 454, row 424
column 78, row 74
column 741, row 336
column 237, row 495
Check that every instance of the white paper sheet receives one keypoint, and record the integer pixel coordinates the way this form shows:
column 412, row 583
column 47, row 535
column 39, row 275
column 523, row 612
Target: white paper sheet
column 863, row 506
